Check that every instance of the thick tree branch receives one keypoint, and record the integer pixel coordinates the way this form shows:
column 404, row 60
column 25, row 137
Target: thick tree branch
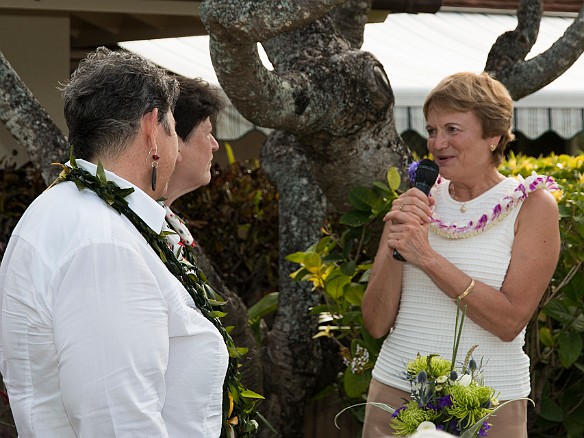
column 260, row 20
column 513, row 46
column 318, row 84
column 29, row 123
column 526, row 77
column 269, row 99
column 350, row 19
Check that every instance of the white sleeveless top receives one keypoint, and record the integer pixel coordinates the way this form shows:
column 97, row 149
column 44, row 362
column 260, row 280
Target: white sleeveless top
column 426, row 318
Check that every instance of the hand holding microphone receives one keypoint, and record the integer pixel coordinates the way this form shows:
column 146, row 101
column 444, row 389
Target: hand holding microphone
column 426, row 175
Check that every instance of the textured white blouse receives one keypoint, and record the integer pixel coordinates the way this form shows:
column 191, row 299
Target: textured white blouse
column 97, row 337
column 426, row 319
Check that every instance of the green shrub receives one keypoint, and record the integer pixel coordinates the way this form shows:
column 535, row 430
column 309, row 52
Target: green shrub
column 555, row 335
column 235, row 219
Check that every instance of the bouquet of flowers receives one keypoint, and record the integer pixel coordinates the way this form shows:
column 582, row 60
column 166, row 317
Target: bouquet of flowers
column 445, row 396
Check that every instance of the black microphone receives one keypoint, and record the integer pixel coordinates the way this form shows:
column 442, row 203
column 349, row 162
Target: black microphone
column 426, row 176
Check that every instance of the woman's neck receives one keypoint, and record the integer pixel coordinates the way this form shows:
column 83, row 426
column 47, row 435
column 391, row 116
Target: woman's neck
column 461, row 191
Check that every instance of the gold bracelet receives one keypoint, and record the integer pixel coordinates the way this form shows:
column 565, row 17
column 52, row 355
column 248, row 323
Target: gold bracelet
column 467, row 290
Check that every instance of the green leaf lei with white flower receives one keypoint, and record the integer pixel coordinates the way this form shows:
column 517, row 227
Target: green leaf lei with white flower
column 238, row 402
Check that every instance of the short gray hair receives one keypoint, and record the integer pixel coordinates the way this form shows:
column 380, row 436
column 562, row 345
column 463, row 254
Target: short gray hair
column 106, row 98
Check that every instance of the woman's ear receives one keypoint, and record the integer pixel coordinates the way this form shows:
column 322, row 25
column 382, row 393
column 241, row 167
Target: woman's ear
column 181, row 145
column 495, row 139
column 150, row 126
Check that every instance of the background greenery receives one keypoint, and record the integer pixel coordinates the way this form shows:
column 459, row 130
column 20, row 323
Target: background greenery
column 235, row 221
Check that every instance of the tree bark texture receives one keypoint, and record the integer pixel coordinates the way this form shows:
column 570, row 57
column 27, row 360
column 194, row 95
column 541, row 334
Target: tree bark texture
column 292, row 359
column 29, row 123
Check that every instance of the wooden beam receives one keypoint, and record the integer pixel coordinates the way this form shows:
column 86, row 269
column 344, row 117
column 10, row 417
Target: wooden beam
column 89, row 36
column 156, row 7
column 155, row 21
column 111, row 23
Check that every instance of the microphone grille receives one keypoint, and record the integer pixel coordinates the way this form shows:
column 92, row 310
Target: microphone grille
column 426, row 175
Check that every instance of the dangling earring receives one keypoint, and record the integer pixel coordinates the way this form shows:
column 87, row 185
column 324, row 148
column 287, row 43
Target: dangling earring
column 155, row 159
column 493, row 147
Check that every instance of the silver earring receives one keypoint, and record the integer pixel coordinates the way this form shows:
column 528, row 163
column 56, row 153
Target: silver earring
column 493, row 147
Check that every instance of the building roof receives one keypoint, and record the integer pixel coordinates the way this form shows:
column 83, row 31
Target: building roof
column 549, row 6
column 417, row 51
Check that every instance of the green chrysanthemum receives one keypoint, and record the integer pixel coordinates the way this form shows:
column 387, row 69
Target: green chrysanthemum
column 468, row 403
column 408, row 419
column 439, row 366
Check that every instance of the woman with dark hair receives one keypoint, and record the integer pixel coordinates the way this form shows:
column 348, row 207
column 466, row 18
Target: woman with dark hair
column 196, row 110
column 103, row 333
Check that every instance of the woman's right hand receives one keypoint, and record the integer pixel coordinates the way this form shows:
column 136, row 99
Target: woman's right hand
column 413, row 204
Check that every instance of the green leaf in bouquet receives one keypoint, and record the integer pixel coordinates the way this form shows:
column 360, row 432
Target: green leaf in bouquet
column 472, row 432
column 297, row 257
column 316, row 310
column 250, row 394
column 324, row 245
column 383, row 187
column 350, row 318
column 312, row 260
column 383, row 406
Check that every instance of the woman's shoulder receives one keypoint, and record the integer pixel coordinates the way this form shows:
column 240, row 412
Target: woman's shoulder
column 541, row 201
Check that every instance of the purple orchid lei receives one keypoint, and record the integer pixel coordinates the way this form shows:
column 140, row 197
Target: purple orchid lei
column 498, row 212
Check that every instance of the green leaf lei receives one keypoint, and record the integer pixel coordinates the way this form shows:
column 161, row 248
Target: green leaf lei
column 238, row 402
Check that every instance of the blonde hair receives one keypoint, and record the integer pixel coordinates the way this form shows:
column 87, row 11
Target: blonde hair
column 486, row 97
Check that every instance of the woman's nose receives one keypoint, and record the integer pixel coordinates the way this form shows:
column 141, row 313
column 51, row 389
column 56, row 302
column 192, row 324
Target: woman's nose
column 214, row 144
column 440, row 140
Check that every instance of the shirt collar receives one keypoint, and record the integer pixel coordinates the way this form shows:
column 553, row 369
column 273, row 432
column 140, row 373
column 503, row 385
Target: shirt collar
column 142, row 204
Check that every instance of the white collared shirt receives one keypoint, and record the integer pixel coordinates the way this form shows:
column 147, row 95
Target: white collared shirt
column 97, row 337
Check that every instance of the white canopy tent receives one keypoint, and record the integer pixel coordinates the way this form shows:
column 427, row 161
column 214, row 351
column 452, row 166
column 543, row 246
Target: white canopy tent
column 417, row 51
